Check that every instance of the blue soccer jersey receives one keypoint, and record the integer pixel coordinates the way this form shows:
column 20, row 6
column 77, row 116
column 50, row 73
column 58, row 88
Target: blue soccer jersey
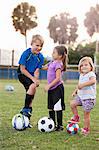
column 31, row 61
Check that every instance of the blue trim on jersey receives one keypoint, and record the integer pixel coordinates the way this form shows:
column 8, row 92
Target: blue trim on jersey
column 31, row 61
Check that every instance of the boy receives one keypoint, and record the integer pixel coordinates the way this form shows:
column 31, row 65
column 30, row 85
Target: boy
column 30, row 62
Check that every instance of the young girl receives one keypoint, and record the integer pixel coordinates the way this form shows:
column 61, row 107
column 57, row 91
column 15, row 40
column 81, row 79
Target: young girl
column 55, row 86
column 85, row 94
column 30, row 62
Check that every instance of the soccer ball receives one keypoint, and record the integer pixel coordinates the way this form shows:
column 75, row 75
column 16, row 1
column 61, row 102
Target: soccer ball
column 72, row 128
column 9, row 88
column 20, row 122
column 46, row 124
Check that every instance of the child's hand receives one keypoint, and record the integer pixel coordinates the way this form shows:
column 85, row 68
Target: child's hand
column 46, row 88
column 80, row 86
column 36, row 81
column 74, row 93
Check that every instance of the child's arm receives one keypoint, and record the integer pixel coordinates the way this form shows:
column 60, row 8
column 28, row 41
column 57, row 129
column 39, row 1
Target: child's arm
column 91, row 81
column 45, row 67
column 36, row 73
column 57, row 79
column 75, row 92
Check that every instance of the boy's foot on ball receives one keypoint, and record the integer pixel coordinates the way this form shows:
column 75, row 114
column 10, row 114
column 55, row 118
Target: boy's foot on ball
column 26, row 112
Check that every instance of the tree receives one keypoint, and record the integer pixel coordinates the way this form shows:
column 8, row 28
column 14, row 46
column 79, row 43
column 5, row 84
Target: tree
column 87, row 50
column 74, row 56
column 63, row 28
column 24, row 18
column 91, row 22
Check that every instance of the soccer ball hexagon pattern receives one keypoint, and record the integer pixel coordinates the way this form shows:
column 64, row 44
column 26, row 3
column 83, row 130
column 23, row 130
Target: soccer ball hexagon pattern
column 45, row 124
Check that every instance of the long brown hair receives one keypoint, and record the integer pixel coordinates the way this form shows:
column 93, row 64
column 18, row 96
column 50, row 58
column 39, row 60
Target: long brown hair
column 62, row 50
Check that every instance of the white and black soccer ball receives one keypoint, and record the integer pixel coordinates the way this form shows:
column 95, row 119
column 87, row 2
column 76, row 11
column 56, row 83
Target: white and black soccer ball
column 46, row 124
column 9, row 88
column 20, row 122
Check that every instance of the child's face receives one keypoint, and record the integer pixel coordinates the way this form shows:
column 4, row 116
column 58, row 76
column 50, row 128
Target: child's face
column 36, row 46
column 55, row 55
column 85, row 67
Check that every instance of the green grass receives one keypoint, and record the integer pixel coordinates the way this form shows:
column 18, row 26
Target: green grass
column 32, row 139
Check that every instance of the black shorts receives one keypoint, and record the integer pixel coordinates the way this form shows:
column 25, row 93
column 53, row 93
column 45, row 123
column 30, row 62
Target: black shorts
column 25, row 81
column 56, row 98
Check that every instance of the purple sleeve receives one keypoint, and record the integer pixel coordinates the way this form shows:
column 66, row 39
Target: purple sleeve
column 58, row 66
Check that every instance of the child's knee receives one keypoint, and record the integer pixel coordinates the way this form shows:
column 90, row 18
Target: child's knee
column 72, row 104
column 33, row 86
column 32, row 89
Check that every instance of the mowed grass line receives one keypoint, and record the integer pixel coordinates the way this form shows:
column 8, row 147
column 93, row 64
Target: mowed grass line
column 32, row 139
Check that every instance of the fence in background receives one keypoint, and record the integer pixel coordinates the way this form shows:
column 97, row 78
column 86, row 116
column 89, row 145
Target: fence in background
column 9, row 57
column 9, row 72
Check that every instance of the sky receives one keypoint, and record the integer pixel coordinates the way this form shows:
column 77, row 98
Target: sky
column 45, row 9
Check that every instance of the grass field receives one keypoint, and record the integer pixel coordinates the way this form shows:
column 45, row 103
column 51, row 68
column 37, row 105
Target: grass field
column 32, row 139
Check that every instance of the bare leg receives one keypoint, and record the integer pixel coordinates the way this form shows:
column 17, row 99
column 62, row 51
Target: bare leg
column 73, row 106
column 32, row 89
column 87, row 120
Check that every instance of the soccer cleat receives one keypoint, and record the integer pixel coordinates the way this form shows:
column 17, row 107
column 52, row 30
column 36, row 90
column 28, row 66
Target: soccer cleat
column 55, row 128
column 30, row 126
column 26, row 111
column 74, row 119
column 85, row 131
column 59, row 128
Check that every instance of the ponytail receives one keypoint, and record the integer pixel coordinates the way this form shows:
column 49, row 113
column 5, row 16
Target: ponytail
column 64, row 60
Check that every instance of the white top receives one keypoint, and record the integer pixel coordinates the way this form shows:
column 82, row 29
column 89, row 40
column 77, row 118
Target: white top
column 88, row 92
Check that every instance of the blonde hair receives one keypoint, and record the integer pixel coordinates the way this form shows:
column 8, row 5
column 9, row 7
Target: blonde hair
column 89, row 59
column 37, row 37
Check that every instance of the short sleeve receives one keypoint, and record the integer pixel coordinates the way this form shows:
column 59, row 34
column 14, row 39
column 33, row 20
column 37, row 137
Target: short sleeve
column 23, row 58
column 58, row 66
column 92, row 74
